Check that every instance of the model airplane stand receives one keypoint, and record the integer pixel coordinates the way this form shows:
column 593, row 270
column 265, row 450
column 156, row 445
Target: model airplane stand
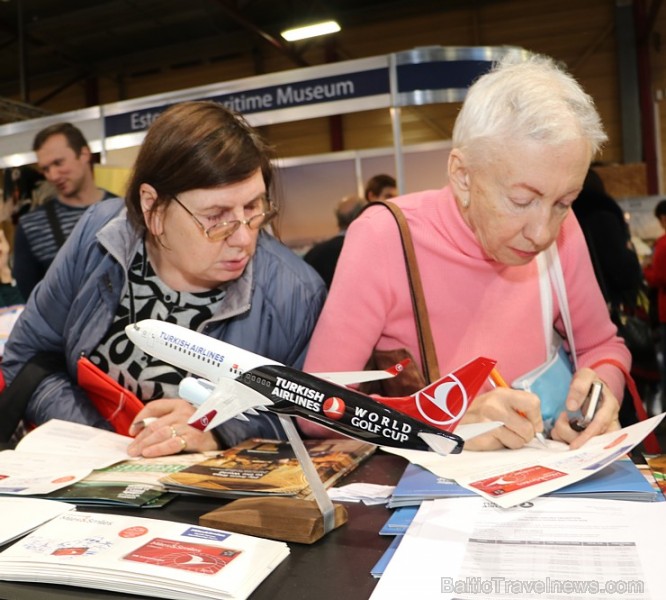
column 283, row 518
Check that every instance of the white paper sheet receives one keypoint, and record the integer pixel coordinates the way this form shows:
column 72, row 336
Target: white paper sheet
column 551, row 549
column 22, row 515
column 510, row 477
column 57, row 454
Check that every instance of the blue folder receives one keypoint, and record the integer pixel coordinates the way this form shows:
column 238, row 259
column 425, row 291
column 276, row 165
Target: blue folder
column 621, row 480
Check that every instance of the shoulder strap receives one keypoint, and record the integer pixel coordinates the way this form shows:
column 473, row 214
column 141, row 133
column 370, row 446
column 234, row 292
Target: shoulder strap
column 59, row 236
column 423, row 331
column 14, row 398
column 557, row 279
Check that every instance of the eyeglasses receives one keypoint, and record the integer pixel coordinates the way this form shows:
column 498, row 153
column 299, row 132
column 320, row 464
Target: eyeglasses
column 221, row 231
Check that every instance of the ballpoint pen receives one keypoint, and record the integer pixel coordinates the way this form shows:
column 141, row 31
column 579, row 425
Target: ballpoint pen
column 499, row 381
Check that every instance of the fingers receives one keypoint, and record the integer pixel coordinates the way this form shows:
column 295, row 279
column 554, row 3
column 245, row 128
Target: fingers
column 579, row 388
column 606, row 419
column 161, row 429
column 159, row 440
column 519, row 411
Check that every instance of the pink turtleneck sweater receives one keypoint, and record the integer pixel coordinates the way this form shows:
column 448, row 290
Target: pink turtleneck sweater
column 476, row 305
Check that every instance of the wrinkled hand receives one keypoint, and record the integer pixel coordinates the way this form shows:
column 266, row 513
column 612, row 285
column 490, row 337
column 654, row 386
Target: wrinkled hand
column 519, row 411
column 606, row 419
column 169, row 433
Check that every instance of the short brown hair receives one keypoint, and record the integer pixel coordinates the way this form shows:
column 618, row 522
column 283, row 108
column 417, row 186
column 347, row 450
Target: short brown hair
column 377, row 184
column 195, row 145
column 75, row 139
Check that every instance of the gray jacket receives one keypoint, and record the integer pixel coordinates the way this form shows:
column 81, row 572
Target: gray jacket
column 270, row 310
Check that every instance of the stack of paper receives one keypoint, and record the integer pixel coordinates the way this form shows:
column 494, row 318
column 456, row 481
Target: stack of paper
column 555, row 548
column 148, row 557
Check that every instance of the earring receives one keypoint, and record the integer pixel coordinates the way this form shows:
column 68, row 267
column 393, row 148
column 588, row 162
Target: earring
column 465, row 202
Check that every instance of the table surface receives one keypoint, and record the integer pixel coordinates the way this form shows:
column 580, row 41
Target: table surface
column 336, row 566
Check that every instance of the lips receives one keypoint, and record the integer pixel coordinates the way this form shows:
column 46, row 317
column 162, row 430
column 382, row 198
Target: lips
column 235, row 265
column 528, row 255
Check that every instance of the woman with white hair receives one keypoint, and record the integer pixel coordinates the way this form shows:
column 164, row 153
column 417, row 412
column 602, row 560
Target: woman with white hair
column 522, row 145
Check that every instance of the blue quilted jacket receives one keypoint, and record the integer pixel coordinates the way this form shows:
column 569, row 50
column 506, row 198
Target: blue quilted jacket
column 270, row 310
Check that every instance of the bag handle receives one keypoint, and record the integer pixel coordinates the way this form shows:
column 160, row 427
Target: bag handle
column 423, row 331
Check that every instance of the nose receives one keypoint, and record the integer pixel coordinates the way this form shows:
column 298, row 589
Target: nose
column 241, row 237
column 539, row 228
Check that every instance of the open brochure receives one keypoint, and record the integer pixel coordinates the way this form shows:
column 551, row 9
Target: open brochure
column 268, row 467
column 131, row 483
column 510, row 477
column 57, row 454
column 149, row 557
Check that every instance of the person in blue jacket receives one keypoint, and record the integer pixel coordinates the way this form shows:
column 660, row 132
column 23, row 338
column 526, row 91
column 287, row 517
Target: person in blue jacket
column 188, row 246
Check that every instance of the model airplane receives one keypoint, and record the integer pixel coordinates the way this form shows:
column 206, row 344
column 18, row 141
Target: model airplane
column 236, row 381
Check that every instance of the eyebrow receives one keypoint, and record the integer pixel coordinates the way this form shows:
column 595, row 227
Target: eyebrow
column 528, row 187
column 262, row 196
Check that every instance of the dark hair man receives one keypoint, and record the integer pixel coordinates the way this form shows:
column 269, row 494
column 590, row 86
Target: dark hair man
column 64, row 157
column 380, row 187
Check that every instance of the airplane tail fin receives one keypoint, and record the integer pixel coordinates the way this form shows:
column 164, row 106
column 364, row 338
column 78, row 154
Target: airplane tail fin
column 444, row 402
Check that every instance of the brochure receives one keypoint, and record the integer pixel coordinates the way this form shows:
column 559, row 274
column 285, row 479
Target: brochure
column 57, row 454
column 511, row 477
column 130, row 484
column 621, row 480
column 149, row 557
column 268, row 467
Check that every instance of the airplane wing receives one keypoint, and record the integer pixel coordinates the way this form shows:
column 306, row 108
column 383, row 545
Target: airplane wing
column 352, row 377
column 219, row 402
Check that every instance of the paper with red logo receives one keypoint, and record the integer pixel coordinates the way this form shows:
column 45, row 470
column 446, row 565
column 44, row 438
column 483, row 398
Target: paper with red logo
column 198, row 558
column 149, row 557
column 516, row 480
column 511, row 477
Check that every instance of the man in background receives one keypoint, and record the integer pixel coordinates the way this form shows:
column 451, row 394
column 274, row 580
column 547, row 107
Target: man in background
column 64, row 157
column 323, row 257
column 380, row 187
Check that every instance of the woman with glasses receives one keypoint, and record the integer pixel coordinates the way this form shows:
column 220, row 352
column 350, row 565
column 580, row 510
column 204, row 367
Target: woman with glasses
column 188, row 246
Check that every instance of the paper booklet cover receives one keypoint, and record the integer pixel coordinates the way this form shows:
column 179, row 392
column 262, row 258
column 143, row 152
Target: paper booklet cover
column 268, row 467
column 148, row 557
column 621, row 480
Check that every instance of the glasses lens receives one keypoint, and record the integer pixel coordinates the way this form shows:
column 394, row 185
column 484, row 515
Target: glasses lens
column 222, row 231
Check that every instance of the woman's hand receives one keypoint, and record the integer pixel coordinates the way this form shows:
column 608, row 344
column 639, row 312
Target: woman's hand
column 606, row 418
column 167, row 431
column 519, row 411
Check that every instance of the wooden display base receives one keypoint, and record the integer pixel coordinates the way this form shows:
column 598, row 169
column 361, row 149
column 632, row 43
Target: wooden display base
column 286, row 519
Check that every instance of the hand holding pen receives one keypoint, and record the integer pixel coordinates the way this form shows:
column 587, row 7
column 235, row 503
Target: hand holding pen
column 499, row 381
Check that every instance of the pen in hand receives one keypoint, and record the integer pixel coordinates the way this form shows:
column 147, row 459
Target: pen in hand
column 499, row 381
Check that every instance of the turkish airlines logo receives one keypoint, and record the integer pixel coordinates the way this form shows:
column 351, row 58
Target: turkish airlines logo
column 446, row 404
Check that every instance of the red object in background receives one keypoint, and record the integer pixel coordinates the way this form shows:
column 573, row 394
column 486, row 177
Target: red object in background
column 116, row 404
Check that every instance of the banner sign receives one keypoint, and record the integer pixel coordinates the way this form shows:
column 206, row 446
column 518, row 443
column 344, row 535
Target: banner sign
column 331, row 89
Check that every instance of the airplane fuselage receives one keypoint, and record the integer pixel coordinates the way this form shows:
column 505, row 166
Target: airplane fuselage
column 195, row 352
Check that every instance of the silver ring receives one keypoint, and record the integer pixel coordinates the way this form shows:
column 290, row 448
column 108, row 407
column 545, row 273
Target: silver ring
column 174, row 433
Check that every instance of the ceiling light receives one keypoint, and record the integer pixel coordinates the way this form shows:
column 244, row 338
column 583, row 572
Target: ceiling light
column 301, row 33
